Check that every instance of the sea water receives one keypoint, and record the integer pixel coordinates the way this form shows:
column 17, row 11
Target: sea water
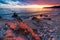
column 7, row 13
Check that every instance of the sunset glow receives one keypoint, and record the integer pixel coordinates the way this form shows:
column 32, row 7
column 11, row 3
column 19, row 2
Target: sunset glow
column 26, row 6
column 35, row 6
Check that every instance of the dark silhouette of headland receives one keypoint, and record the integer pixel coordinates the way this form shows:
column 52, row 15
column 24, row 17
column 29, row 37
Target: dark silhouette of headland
column 53, row 7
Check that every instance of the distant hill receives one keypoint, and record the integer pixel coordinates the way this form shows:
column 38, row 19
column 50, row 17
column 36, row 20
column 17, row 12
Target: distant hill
column 53, row 7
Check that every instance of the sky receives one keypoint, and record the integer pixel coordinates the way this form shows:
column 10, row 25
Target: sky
column 28, row 3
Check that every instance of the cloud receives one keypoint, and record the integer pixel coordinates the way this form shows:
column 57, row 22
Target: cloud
column 28, row 2
column 1, row 1
column 10, row 2
column 42, row 2
column 4, row 3
column 14, row 3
